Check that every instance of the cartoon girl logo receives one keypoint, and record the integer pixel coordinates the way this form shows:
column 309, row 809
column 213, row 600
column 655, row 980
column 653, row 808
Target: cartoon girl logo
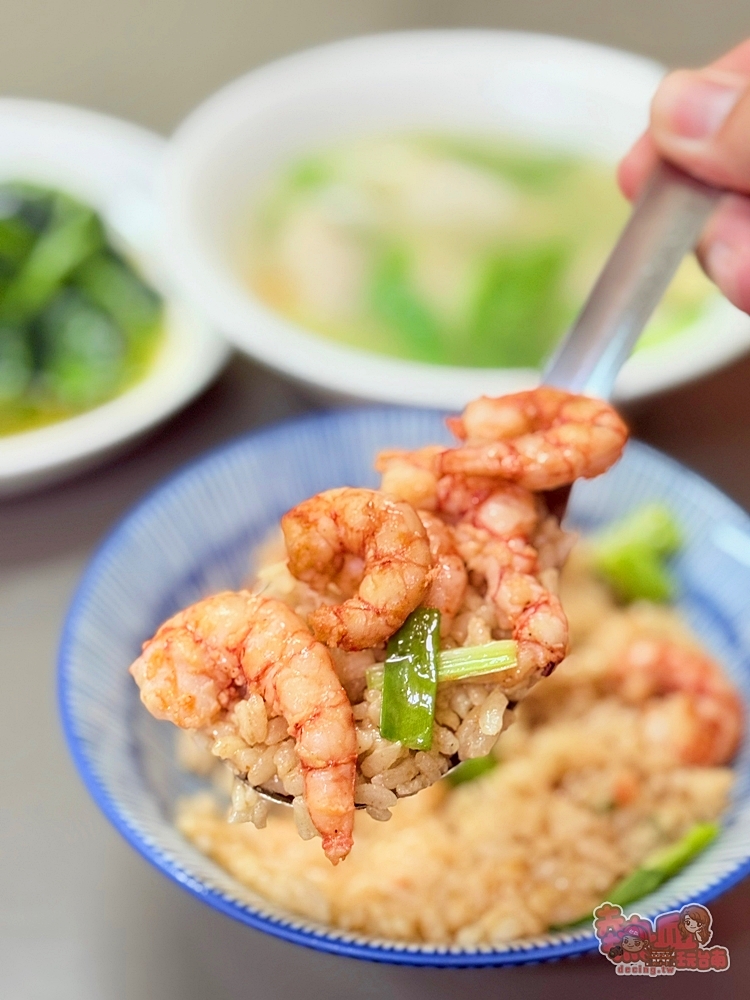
column 674, row 941
column 695, row 920
column 633, row 944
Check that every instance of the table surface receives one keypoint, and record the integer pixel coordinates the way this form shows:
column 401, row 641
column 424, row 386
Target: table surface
column 83, row 917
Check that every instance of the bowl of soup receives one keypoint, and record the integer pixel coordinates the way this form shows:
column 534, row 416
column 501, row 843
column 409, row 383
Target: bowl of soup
column 417, row 218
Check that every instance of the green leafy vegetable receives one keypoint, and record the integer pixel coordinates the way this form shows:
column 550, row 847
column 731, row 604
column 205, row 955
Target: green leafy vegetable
column 632, row 555
column 16, row 239
column 410, row 681
column 82, row 351
column 519, row 307
column 468, row 770
column 55, row 254
column 117, row 291
column 77, row 324
column 16, row 363
column 396, row 303
column 663, row 864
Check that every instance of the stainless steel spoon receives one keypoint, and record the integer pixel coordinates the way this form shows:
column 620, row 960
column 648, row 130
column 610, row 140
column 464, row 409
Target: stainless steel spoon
column 664, row 226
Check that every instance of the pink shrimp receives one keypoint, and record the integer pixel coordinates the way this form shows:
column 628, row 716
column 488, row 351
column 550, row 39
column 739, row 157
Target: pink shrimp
column 541, row 439
column 525, row 607
column 216, row 652
column 411, row 476
column 695, row 707
column 449, row 582
column 363, row 539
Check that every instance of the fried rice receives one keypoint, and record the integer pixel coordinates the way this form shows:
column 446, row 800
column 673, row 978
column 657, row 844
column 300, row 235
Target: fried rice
column 589, row 782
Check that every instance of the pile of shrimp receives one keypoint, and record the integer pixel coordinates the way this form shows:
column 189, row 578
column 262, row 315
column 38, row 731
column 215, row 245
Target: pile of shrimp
column 275, row 682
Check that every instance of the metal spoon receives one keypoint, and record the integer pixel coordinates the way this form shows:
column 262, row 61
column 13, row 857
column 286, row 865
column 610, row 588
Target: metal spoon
column 664, row 226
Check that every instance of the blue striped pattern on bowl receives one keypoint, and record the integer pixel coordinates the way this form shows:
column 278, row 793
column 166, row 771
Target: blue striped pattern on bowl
column 194, row 534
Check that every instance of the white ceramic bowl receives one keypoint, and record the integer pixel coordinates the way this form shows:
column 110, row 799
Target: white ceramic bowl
column 567, row 94
column 112, row 166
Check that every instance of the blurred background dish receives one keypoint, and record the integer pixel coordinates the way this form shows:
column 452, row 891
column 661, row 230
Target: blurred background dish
column 194, row 535
column 90, row 355
column 416, row 218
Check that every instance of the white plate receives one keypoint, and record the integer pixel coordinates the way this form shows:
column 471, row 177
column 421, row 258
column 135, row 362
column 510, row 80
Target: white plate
column 112, row 166
column 570, row 94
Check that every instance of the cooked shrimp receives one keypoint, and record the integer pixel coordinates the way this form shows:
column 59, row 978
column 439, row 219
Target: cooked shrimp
column 364, row 540
column 525, row 607
column 215, row 652
column 699, row 713
column 541, row 439
column 503, row 508
column 448, row 585
column 411, row 476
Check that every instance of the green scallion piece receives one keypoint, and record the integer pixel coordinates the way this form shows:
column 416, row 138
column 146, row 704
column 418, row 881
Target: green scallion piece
column 410, row 681
column 466, row 661
column 631, row 556
column 656, row 868
column 663, row 864
column 470, row 769
column 473, row 661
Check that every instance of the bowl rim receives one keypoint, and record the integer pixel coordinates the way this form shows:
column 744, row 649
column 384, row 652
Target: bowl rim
column 191, row 353
column 387, row 951
column 309, row 357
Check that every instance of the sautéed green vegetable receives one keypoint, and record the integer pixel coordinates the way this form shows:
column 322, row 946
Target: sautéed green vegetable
column 77, row 324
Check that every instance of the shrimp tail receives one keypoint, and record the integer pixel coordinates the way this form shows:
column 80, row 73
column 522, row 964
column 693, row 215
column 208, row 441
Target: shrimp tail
column 333, row 783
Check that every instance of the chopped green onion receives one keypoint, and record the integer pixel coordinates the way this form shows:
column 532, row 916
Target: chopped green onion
column 470, row 769
column 472, row 661
column 663, row 864
column 656, row 868
column 464, row 662
column 410, row 681
column 630, row 555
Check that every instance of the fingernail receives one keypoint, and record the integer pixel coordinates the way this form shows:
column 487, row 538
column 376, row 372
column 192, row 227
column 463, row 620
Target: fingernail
column 694, row 107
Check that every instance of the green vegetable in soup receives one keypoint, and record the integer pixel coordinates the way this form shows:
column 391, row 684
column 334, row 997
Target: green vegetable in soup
column 395, row 302
column 520, row 306
column 410, row 681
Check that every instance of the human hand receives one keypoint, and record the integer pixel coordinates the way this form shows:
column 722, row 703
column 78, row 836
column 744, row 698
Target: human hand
column 700, row 121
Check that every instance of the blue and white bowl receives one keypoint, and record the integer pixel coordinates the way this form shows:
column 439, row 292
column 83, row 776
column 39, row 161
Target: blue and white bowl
column 194, row 534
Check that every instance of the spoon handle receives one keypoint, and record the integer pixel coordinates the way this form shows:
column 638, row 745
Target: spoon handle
column 664, row 226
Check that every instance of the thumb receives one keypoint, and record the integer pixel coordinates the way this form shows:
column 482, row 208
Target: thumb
column 700, row 120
